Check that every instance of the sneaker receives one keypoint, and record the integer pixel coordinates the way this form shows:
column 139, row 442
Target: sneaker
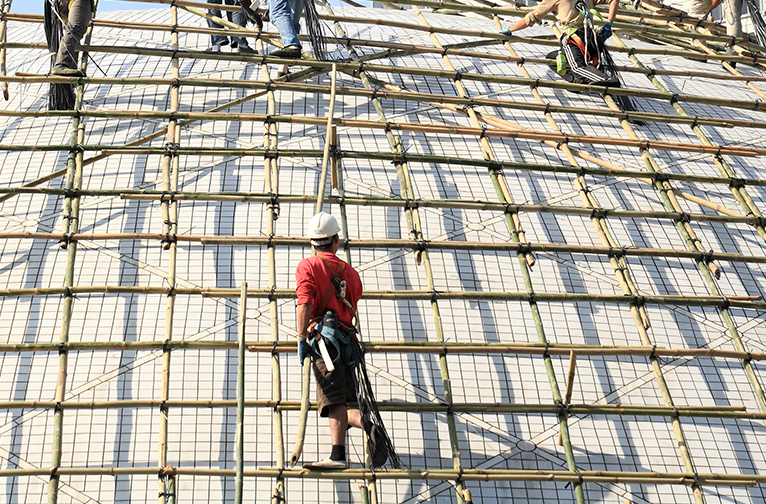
column 327, row 464
column 378, row 451
column 214, row 48
column 243, row 49
column 65, row 71
column 234, row 44
column 291, row 51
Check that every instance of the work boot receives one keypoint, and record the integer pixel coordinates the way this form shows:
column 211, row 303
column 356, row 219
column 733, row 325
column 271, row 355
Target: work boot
column 243, row 49
column 290, row 52
column 65, row 71
column 327, row 464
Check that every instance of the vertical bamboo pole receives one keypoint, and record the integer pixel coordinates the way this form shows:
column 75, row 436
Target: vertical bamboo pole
column 327, row 142
column 71, row 219
column 271, row 181
column 240, row 434
column 170, row 224
column 3, row 39
column 709, row 276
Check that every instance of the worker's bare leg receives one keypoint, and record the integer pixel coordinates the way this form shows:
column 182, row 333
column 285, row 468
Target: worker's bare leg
column 340, row 418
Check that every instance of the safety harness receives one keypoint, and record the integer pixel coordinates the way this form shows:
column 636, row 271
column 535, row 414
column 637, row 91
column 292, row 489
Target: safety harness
column 327, row 325
column 572, row 37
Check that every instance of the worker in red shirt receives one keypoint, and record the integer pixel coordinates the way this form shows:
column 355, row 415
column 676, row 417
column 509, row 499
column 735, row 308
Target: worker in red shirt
column 326, row 283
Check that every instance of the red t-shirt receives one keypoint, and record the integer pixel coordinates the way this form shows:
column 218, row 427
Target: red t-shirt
column 313, row 280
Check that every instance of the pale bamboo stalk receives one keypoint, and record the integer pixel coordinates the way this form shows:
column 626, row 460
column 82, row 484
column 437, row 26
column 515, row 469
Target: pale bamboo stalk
column 170, row 164
column 240, row 433
column 327, row 142
column 3, row 39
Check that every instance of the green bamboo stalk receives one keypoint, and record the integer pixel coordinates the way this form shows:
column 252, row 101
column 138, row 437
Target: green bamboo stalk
column 72, row 225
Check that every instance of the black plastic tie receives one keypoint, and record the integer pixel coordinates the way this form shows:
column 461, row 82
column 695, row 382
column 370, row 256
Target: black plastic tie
column 68, row 292
column 510, row 208
column 653, row 353
column 444, row 348
column 274, row 349
column 547, row 108
column 736, row 182
column 675, row 410
column 598, row 213
column 522, row 60
column 374, row 94
column 434, row 295
column 276, row 405
column 458, row 75
column 638, row 300
column 163, row 407
column 749, row 357
column 77, row 149
column 171, row 148
column 726, row 303
column 388, row 127
column 271, row 293
column 674, row 98
column 684, row 217
column 459, row 475
column 269, row 86
column 62, row 348
column 279, row 477
column 483, row 131
column 54, row 470
column 694, row 122
column 566, row 140
column 545, row 350
column 172, row 292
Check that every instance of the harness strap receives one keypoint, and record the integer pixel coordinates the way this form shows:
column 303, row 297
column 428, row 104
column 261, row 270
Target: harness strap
column 335, row 270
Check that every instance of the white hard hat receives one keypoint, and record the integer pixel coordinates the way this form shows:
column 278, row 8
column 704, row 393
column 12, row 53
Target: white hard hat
column 323, row 227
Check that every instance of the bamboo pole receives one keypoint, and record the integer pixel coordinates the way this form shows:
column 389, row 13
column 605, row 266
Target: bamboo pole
column 485, row 475
column 71, row 220
column 240, row 433
column 170, row 168
column 408, row 347
column 271, row 181
column 3, row 39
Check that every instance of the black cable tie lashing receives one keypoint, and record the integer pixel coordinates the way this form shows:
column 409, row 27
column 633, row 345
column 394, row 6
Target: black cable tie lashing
column 632, row 51
column 675, row 410
column 388, row 127
column 269, row 85
column 684, row 217
column 410, row 204
column 77, row 149
column 694, row 122
column 444, row 347
column 54, row 470
column 726, row 303
column 696, row 479
column 68, row 291
column 273, row 348
column 374, row 94
column 276, row 405
column 522, row 60
column 510, row 208
column 680, row 17
column 525, row 248
column 279, row 476
column 373, row 476
column 270, row 241
column 638, row 300
column 706, row 257
column 580, row 479
column 566, row 140
column 733, row 41
column 170, row 238
column 165, row 345
column 598, row 213
column 458, row 75
column 271, row 293
column 172, row 292
column 62, row 348
column 263, row 59
column 459, row 475
column 359, row 70
column 653, row 353
column 718, row 152
column 483, row 131
column 661, row 177
column 434, row 295
column 163, row 407
column 537, row 84
column 171, row 148
column 749, row 357
column 162, row 196
column 547, row 108
column 736, row 182
column 545, row 350
column 70, row 218
column 444, row 51
column 674, row 98
column 174, row 29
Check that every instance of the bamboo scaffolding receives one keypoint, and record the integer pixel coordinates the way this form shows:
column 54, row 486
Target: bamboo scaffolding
column 170, row 198
column 709, row 274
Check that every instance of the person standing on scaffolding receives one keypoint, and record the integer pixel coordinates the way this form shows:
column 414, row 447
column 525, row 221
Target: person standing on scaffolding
column 580, row 43
column 238, row 18
column 328, row 290
column 74, row 16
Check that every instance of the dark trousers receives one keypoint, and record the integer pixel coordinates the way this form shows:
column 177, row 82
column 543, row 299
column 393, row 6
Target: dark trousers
column 78, row 18
column 235, row 17
column 576, row 59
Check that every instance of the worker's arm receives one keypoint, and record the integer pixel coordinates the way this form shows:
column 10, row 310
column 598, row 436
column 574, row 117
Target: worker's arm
column 713, row 5
column 518, row 25
column 304, row 317
column 614, row 6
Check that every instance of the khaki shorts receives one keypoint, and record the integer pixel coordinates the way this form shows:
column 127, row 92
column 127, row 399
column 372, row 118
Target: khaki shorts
column 334, row 388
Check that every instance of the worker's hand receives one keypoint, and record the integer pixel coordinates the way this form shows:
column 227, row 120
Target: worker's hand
column 304, row 350
column 506, row 32
column 606, row 31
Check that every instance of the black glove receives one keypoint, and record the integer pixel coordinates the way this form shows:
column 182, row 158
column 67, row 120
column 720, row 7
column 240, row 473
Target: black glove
column 304, row 350
column 606, row 31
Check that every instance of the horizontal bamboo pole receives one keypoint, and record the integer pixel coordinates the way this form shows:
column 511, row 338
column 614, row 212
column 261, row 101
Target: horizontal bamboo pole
column 745, row 303
column 406, row 49
column 514, row 247
column 715, row 411
column 402, row 347
column 390, row 69
column 637, row 477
